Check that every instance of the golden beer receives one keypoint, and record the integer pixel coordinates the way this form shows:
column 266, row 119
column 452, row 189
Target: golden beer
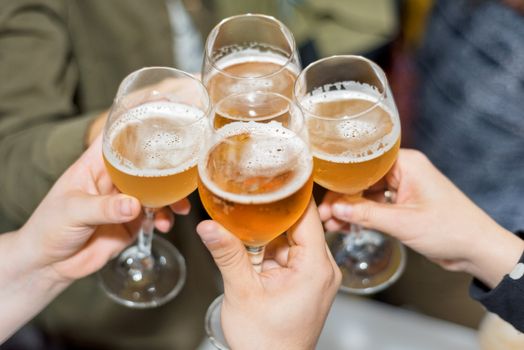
column 252, row 71
column 351, row 153
column 256, row 180
column 262, row 108
column 152, row 152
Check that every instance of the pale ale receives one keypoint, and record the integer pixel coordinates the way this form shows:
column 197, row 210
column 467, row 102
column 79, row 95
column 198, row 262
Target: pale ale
column 354, row 138
column 152, row 152
column 256, row 180
column 259, row 107
column 251, row 70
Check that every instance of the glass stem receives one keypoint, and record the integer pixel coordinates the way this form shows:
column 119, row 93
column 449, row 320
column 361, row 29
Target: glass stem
column 145, row 237
column 256, row 255
column 354, row 229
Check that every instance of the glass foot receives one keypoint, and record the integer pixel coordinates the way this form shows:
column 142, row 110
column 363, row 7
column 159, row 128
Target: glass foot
column 213, row 324
column 369, row 261
column 145, row 282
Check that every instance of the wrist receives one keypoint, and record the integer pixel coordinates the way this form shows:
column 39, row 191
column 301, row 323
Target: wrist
column 31, row 262
column 495, row 255
column 281, row 344
column 27, row 287
column 272, row 336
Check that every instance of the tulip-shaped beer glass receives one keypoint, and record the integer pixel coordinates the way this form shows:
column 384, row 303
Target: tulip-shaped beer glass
column 151, row 143
column 255, row 175
column 250, row 53
column 354, row 131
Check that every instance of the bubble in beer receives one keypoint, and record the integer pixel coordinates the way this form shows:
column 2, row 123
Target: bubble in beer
column 355, row 129
column 349, row 125
column 155, row 139
column 256, row 163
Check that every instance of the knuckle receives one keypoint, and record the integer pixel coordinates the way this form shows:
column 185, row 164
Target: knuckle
column 226, row 256
column 366, row 213
column 108, row 211
column 417, row 156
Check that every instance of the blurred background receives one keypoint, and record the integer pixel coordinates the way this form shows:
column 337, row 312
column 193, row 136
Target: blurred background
column 456, row 70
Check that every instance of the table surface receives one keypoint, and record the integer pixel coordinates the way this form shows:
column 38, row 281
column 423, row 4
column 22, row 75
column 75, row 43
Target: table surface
column 362, row 324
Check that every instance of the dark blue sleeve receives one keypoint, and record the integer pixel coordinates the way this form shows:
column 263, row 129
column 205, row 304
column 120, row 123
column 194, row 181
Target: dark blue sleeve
column 507, row 298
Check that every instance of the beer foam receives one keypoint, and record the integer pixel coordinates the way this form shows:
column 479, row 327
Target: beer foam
column 255, row 55
column 363, row 132
column 271, row 150
column 161, row 139
column 342, row 90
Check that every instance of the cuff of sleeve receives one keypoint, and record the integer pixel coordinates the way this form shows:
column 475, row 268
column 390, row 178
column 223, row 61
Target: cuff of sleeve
column 68, row 140
column 505, row 300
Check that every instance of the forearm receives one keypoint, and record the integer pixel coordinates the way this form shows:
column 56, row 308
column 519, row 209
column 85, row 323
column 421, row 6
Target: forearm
column 25, row 288
column 495, row 255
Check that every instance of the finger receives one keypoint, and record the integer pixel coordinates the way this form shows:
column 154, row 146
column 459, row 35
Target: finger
column 229, row 255
column 390, row 181
column 324, row 209
column 380, row 186
column 182, row 207
column 376, row 196
column 308, row 231
column 110, row 240
column 335, row 224
column 95, row 150
column 278, row 250
column 92, row 210
column 388, row 218
column 164, row 220
column 331, row 197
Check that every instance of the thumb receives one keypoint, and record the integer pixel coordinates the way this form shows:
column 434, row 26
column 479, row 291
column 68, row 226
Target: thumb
column 383, row 217
column 93, row 210
column 229, row 254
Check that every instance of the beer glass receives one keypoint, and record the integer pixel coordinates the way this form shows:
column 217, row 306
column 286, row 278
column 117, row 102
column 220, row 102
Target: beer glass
column 255, row 174
column 354, row 132
column 250, row 53
column 151, row 143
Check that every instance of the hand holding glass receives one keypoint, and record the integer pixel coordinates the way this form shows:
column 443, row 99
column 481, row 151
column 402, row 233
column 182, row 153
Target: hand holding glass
column 255, row 174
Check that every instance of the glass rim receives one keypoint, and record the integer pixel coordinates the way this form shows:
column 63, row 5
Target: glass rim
column 208, row 104
column 287, row 33
column 376, row 68
column 290, row 102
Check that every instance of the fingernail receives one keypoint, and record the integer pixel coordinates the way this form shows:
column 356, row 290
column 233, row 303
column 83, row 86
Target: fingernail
column 322, row 208
column 209, row 232
column 342, row 210
column 126, row 206
column 181, row 208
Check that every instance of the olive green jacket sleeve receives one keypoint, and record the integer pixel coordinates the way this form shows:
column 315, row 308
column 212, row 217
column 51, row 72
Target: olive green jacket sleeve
column 40, row 131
